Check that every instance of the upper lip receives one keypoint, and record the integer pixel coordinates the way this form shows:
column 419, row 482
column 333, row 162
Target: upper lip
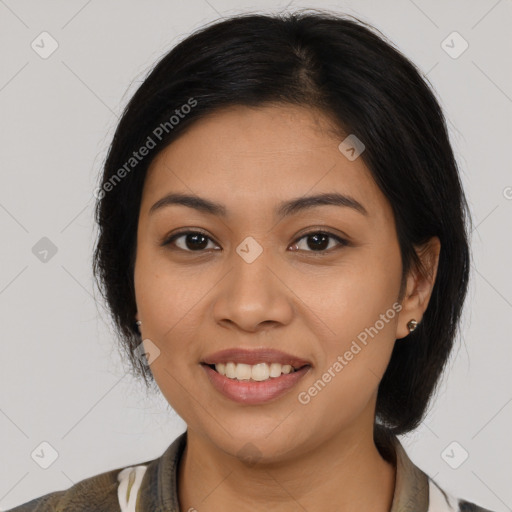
column 255, row 356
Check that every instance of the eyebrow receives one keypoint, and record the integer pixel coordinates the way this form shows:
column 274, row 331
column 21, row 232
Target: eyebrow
column 284, row 209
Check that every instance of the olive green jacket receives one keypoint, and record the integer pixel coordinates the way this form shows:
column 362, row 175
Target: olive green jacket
column 152, row 487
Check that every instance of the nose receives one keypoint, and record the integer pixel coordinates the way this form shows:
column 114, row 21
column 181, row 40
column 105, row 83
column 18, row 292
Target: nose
column 253, row 296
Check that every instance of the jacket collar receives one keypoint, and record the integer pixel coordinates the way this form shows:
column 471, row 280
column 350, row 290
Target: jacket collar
column 159, row 490
column 411, row 485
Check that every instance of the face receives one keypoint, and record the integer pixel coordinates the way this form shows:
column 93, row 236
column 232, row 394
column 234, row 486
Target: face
column 318, row 282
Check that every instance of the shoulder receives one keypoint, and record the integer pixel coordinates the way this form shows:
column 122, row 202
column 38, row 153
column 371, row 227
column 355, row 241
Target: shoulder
column 99, row 493
column 442, row 501
column 415, row 490
column 149, row 485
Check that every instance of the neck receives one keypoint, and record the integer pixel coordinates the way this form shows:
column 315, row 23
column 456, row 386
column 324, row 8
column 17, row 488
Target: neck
column 344, row 473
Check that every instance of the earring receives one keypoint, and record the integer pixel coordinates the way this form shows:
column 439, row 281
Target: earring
column 412, row 324
column 138, row 323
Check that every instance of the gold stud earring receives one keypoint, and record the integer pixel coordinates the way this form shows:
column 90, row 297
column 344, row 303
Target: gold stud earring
column 412, row 324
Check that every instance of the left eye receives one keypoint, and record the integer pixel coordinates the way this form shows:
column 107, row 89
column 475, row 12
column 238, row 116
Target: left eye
column 320, row 241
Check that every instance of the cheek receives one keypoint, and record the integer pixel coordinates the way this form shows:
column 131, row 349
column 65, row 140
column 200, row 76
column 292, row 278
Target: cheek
column 171, row 300
column 166, row 302
column 352, row 364
column 165, row 293
column 359, row 313
column 344, row 300
column 365, row 301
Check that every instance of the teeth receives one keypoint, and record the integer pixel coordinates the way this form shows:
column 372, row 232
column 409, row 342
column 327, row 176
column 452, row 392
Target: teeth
column 257, row 372
column 275, row 370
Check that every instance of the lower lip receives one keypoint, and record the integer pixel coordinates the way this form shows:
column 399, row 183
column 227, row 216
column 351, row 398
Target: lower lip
column 254, row 392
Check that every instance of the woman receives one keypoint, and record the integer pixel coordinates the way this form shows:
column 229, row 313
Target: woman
column 283, row 247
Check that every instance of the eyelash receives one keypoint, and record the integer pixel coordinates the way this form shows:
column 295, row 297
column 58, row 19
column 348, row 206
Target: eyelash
column 341, row 241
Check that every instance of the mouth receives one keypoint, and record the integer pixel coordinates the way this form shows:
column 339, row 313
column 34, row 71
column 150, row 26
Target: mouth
column 242, row 357
column 259, row 372
column 254, row 377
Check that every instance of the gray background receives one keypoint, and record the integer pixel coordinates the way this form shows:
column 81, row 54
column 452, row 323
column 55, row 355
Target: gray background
column 62, row 379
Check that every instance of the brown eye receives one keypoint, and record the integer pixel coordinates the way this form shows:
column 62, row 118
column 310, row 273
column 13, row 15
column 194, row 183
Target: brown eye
column 193, row 241
column 318, row 241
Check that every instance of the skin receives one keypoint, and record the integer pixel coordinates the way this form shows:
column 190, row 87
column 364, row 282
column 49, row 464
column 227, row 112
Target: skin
column 319, row 456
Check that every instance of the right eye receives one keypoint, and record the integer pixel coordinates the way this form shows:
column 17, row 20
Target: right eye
column 193, row 241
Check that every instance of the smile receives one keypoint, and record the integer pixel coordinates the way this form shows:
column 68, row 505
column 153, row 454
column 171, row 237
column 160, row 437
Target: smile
column 253, row 384
column 257, row 372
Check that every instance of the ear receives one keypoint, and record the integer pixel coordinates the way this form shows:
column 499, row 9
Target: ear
column 419, row 286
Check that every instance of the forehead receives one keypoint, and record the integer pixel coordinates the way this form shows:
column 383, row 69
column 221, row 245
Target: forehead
column 252, row 157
